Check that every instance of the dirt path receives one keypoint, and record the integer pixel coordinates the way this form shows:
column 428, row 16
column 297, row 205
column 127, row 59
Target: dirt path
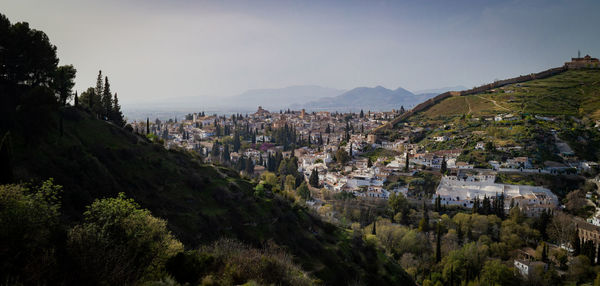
column 469, row 105
column 494, row 102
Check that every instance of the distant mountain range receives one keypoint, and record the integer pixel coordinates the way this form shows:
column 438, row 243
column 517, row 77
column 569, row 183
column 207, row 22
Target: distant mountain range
column 309, row 97
column 280, row 98
column 372, row 98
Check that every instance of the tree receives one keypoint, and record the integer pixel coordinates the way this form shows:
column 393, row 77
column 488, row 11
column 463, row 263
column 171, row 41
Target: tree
column 147, row 125
column 249, row 168
column 63, row 82
column 374, row 230
column 236, row 141
column 369, row 162
column 362, row 114
column 29, row 227
column 438, row 244
column 303, row 191
column 424, row 222
column 576, row 242
column 341, row 156
column 117, row 115
column 406, row 164
column 444, row 167
column 226, row 155
column 76, row 100
column 494, row 272
column 119, row 242
column 107, row 101
column 313, row 180
column 97, row 105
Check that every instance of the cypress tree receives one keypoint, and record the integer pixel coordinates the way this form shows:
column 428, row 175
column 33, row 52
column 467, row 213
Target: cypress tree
column 444, row 167
column 313, row 180
column 406, row 165
column 544, row 252
column 76, row 99
column 117, row 115
column 96, row 105
column 438, row 245
column 147, row 125
column 249, row 166
column 107, row 101
column 226, row 156
column 576, row 242
column 374, row 230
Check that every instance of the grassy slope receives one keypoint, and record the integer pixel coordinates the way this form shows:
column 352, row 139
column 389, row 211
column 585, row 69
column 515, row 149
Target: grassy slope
column 575, row 93
column 201, row 202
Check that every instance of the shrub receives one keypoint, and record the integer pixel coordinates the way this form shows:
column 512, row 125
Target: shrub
column 119, row 243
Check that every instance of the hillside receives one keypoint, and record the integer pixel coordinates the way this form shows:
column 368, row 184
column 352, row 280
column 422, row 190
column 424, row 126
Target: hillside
column 572, row 93
column 202, row 203
column 532, row 118
column 369, row 98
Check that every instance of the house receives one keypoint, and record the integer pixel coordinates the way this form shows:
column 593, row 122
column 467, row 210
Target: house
column 480, row 146
column 525, row 267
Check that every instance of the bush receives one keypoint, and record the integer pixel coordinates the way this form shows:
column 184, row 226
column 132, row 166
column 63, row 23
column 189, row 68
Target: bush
column 29, row 228
column 119, row 243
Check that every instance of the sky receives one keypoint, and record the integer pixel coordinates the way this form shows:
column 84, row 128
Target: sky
column 160, row 49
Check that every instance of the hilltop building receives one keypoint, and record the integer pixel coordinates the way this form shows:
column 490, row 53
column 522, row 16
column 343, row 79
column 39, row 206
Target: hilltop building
column 585, row 62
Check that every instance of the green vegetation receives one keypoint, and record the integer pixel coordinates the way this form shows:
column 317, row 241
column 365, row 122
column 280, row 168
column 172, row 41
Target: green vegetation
column 128, row 205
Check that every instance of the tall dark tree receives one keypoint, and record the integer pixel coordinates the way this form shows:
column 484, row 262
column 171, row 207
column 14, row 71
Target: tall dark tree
column 147, row 125
column 63, row 82
column 374, row 230
column 76, row 99
column 576, row 242
column 117, row 115
column 226, row 155
column 313, row 180
column 107, row 101
column 438, row 244
column 236, row 142
column 97, row 106
column 444, row 167
column 362, row 114
column 249, row 166
column 406, row 164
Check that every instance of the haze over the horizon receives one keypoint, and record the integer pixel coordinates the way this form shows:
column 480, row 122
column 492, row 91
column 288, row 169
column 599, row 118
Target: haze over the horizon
column 158, row 49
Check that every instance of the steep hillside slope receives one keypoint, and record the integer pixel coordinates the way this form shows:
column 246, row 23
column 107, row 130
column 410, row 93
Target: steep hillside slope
column 572, row 93
column 94, row 159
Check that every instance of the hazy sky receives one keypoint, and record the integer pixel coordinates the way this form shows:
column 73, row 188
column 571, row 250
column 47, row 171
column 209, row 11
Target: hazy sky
column 156, row 49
